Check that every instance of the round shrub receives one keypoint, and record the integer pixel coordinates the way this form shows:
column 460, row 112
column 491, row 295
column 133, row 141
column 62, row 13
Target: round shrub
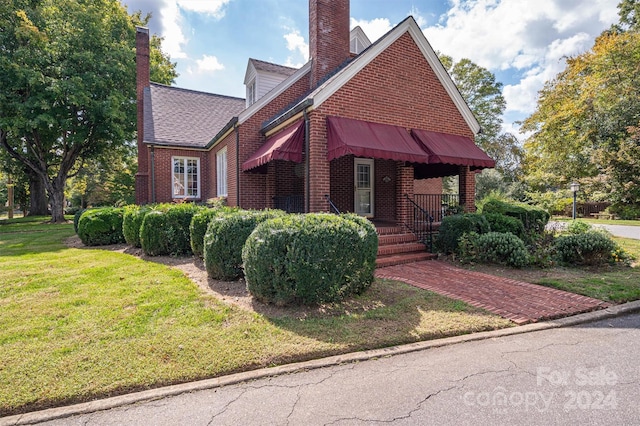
column 578, row 227
column 165, row 229
column 76, row 219
column 98, row 227
column 589, row 248
column 452, row 228
column 225, row 237
column 502, row 248
column 131, row 223
column 310, row 259
column 198, row 226
column 501, row 223
column 533, row 218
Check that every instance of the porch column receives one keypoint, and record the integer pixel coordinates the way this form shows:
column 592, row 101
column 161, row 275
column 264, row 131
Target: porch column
column 404, row 185
column 467, row 189
column 319, row 176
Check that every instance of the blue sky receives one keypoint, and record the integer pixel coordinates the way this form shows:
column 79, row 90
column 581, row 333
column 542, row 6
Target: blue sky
column 523, row 42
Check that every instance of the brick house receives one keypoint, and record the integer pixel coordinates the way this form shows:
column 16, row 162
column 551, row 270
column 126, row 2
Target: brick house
column 363, row 126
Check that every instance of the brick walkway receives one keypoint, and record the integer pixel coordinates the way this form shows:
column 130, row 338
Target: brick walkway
column 517, row 301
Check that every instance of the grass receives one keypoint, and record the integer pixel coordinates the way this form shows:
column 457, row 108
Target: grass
column 79, row 324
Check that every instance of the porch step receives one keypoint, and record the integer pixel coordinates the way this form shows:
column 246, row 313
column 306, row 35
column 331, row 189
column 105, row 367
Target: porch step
column 390, row 230
column 401, row 259
column 401, row 248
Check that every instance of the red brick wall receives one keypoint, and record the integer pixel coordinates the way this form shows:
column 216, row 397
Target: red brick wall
column 467, row 188
column 328, row 36
column 163, row 169
column 253, row 186
column 385, row 202
column 427, row 186
column 342, row 183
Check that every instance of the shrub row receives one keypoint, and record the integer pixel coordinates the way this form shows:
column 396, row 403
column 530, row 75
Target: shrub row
column 165, row 229
column 199, row 224
column 131, row 223
column 97, row 227
column 310, row 259
column 533, row 218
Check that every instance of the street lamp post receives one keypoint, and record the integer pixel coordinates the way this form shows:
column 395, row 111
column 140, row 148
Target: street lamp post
column 574, row 188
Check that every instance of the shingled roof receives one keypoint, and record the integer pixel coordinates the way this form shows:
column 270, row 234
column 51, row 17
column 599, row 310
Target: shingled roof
column 185, row 118
column 270, row 67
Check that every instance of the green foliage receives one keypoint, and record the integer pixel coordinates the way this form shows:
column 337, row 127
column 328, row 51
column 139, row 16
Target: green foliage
column 76, row 219
column 199, row 224
column 67, row 73
column 555, row 202
column 533, row 218
column 501, row 223
column 578, row 227
column 588, row 248
column 626, row 211
column 165, row 229
column 310, row 259
column 503, row 248
column 453, row 227
column 225, row 238
column 132, row 222
column 97, row 227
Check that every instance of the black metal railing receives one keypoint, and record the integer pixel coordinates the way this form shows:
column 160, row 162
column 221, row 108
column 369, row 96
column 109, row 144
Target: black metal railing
column 438, row 205
column 333, row 206
column 420, row 223
column 289, row 203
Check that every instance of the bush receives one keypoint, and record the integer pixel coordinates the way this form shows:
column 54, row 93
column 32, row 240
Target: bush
column 502, row 248
column 310, row 259
column 165, row 229
column 578, row 227
column 97, row 227
column 453, row 227
column 76, row 219
column 225, row 238
column 132, row 222
column 501, row 223
column 589, row 248
column 626, row 211
column 533, row 218
column 198, row 227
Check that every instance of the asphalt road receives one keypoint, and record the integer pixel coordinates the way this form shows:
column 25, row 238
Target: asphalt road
column 587, row 374
column 624, row 231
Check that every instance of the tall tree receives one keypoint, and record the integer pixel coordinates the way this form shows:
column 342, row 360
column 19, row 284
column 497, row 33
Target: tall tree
column 67, row 82
column 629, row 12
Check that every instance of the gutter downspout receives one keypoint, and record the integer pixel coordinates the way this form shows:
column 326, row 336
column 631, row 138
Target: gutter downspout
column 307, row 172
column 153, row 175
column 237, row 166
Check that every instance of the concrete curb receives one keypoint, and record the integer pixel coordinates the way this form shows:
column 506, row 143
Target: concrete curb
column 154, row 394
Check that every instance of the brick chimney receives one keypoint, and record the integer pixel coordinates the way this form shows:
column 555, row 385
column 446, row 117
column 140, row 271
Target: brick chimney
column 328, row 36
column 142, row 81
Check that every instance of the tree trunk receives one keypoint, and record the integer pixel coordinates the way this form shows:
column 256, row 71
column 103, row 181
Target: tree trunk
column 37, row 196
column 56, row 199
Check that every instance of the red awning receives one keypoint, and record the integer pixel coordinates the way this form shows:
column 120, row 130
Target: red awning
column 284, row 145
column 365, row 139
column 444, row 148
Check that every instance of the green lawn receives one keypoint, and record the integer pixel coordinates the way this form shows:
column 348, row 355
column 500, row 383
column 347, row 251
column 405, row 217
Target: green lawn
column 78, row 324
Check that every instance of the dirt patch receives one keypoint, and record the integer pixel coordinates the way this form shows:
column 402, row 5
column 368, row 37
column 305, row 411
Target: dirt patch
column 230, row 292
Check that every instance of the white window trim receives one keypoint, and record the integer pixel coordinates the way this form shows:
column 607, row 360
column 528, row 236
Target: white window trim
column 222, row 188
column 186, row 177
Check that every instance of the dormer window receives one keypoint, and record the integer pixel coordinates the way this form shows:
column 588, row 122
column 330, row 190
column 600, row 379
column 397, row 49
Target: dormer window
column 251, row 93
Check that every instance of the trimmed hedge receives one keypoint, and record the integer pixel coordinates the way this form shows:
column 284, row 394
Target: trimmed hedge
column 165, row 229
column 199, row 224
column 533, row 218
column 310, row 259
column 101, row 226
column 76, row 219
column 588, row 248
column 501, row 223
column 225, row 238
column 132, row 222
column 453, row 227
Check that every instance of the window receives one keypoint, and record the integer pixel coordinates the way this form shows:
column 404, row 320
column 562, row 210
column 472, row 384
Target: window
column 221, row 172
column 251, row 93
column 186, row 177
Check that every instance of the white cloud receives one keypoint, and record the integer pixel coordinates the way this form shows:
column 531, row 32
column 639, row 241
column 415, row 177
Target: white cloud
column 174, row 24
column 529, row 38
column 207, row 64
column 374, row 29
column 298, row 47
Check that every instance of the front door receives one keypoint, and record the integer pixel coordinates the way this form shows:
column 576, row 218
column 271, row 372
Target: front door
column 364, row 195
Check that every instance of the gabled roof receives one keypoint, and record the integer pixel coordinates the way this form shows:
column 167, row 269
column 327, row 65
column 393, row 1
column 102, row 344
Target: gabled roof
column 185, row 118
column 358, row 36
column 342, row 76
column 264, row 66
